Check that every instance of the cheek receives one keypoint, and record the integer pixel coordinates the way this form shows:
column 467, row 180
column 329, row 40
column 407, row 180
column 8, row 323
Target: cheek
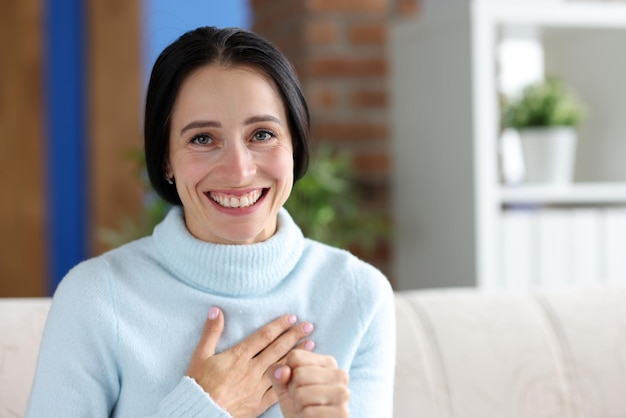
column 282, row 167
column 189, row 175
column 189, row 167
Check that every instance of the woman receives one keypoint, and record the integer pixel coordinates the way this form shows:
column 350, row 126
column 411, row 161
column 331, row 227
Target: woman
column 201, row 318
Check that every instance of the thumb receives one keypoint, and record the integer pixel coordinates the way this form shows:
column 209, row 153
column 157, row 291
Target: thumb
column 280, row 377
column 211, row 334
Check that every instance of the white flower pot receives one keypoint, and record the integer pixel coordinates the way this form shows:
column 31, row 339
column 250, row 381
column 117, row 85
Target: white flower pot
column 549, row 154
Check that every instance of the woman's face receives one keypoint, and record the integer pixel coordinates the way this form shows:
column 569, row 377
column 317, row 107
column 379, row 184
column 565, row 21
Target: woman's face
column 230, row 154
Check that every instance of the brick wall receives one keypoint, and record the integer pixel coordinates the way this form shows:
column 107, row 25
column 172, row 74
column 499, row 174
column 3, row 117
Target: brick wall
column 338, row 48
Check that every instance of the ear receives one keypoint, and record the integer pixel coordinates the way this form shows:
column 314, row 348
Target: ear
column 167, row 170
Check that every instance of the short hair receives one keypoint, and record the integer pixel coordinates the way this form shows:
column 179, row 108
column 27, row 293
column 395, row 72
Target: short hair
column 230, row 47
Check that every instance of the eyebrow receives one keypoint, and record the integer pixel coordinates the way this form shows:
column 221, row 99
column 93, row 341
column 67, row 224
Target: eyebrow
column 200, row 124
column 262, row 118
column 213, row 124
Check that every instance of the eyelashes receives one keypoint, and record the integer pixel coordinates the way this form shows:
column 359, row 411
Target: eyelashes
column 201, row 139
column 264, row 135
column 260, row 135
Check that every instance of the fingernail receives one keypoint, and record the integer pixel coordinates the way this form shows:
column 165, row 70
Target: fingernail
column 309, row 345
column 307, row 327
column 278, row 372
column 214, row 313
column 292, row 319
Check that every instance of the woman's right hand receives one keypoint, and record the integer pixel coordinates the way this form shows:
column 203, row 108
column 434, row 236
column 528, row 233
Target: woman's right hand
column 238, row 379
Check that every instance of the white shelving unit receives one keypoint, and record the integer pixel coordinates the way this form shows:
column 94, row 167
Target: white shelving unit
column 576, row 194
column 449, row 203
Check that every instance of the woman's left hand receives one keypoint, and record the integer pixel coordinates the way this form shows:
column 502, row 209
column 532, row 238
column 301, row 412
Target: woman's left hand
column 311, row 385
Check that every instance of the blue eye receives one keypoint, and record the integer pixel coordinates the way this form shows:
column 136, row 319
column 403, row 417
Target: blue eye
column 263, row 135
column 201, row 139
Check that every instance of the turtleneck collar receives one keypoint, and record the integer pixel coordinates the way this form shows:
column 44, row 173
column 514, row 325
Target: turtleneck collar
column 231, row 270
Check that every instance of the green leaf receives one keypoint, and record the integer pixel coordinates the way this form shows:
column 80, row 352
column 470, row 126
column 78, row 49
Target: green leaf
column 547, row 103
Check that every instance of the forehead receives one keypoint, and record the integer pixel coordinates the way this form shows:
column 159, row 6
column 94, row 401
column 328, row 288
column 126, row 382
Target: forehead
column 224, row 82
column 226, row 94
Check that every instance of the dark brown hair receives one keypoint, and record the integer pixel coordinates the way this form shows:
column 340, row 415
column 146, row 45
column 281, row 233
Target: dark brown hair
column 229, row 47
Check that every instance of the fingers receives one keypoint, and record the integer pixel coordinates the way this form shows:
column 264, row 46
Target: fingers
column 315, row 375
column 312, row 370
column 311, row 384
column 280, row 376
column 337, row 411
column 211, row 333
column 213, row 328
column 302, row 358
column 277, row 376
column 307, row 345
column 285, row 343
column 238, row 378
column 274, row 340
column 321, row 395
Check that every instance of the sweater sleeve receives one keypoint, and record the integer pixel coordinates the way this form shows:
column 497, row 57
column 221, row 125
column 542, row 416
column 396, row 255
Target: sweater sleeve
column 78, row 373
column 76, row 370
column 373, row 368
column 188, row 400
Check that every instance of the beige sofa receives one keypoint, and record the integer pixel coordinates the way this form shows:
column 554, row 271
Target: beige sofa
column 462, row 353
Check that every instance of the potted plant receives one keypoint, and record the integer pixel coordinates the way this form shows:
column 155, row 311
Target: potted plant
column 547, row 116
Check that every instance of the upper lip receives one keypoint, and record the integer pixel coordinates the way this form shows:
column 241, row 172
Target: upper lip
column 235, row 192
column 237, row 200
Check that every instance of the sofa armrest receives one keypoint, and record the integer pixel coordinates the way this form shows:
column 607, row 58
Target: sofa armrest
column 21, row 327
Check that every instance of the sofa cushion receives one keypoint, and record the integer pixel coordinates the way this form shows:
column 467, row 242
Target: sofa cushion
column 470, row 353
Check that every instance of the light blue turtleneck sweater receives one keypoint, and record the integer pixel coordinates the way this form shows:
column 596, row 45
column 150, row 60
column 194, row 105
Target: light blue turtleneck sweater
column 123, row 326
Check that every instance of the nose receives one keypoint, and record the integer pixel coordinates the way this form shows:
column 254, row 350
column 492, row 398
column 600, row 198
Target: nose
column 237, row 163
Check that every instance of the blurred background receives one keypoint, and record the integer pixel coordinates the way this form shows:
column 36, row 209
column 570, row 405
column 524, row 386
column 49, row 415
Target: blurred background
column 405, row 99
column 72, row 78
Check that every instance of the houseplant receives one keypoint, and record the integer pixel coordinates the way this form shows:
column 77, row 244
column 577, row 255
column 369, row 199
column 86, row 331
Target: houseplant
column 329, row 205
column 546, row 115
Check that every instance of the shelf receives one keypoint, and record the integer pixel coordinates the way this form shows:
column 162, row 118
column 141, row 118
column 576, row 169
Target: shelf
column 540, row 13
column 578, row 193
column 446, row 175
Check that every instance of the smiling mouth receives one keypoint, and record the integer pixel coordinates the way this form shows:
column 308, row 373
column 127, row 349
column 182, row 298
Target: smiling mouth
column 226, row 200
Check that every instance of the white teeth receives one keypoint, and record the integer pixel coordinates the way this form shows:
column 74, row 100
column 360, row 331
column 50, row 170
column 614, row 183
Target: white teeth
column 237, row 202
